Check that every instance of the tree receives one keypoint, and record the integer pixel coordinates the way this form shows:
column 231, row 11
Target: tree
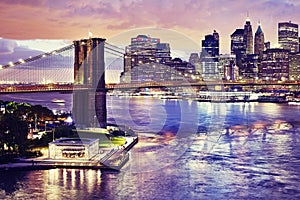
column 13, row 133
column 41, row 112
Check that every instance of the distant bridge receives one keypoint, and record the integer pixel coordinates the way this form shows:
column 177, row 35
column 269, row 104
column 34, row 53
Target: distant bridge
column 19, row 88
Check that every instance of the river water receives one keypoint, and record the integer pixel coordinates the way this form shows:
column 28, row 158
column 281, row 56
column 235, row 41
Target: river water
column 187, row 150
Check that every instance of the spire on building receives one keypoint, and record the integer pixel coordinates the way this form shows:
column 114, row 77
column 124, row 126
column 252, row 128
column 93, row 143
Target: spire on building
column 90, row 34
column 247, row 19
column 259, row 30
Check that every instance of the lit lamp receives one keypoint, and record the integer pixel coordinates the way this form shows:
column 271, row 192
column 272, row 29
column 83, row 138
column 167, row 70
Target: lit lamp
column 69, row 120
column 46, row 122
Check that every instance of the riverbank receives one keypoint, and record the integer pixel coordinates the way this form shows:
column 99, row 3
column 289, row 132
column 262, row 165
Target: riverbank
column 107, row 159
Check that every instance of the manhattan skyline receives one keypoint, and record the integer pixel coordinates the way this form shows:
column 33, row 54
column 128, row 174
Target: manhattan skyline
column 43, row 25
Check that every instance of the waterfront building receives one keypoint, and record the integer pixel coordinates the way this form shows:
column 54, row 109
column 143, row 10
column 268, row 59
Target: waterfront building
column 148, row 60
column 155, row 72
column 275, row 64
column 181, row 70
column 143, row 51
column 227, row 67
column 259, row 41
column 288, row 37
column 250, row 66
column 209, row 56
column 294, row 66
column 73, row 148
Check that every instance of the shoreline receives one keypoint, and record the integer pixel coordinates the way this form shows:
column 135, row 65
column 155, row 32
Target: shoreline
column 114, row 161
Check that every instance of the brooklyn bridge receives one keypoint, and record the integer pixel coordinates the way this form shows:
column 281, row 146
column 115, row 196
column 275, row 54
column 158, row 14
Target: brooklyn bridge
column 54, row 71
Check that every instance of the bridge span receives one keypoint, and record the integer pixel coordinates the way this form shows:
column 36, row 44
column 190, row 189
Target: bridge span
column 24, row 88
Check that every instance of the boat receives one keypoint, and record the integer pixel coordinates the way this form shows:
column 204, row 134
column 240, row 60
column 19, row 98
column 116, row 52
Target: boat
column 272, row 99
column 170, row 97
column 58, row 100
column 296, row 103
column 226, row 97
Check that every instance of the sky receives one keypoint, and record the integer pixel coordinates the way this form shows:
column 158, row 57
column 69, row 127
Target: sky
column 45, row 25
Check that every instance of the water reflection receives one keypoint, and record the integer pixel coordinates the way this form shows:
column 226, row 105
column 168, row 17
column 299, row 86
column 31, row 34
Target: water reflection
column 243, row 151
column 52, row 184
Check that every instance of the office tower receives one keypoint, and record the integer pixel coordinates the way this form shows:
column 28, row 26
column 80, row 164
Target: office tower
column 288, row 36
column 275, row 64
column 250, row 66
column 89, row 105
column 143, row 51
column 209, row 56
column 227, row 67
column 294, row 67
column 259, row 41
column 238, row 47
column 248, row 37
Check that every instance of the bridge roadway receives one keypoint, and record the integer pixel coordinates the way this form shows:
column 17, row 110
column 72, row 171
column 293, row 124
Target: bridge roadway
column 25, row 88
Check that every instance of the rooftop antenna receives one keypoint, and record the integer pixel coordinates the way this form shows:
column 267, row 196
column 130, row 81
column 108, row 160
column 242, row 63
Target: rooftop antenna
column 90, row 33
column 247, row 16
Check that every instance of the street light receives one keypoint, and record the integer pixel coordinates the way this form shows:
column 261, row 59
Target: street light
column 46, row 122
column 53, row 130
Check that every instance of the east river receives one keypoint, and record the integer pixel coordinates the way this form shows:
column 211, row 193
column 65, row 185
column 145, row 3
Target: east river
column 187, row 150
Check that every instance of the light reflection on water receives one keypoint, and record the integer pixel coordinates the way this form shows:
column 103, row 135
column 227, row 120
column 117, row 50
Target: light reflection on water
column 257, row 159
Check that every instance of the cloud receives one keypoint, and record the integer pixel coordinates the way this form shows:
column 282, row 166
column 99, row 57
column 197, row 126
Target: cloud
column 32, row 3
column 7, row 46
column 69, row 19
column 11, row 52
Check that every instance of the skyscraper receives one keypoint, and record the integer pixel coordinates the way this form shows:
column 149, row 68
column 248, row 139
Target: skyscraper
column 140, row 55
column 238, row 47
column 259, row 41
column 209, row 56
column 248, row 37
column 145, row 49
column 288, row 36
column 275, row 65
column 227, row 67
column 294, row 66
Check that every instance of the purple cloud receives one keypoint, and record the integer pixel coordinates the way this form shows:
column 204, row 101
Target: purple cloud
column 7, row 46
column 69, row 19
column 10, row 51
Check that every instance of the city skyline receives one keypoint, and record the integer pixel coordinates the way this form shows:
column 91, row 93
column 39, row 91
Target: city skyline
column 27, row 21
